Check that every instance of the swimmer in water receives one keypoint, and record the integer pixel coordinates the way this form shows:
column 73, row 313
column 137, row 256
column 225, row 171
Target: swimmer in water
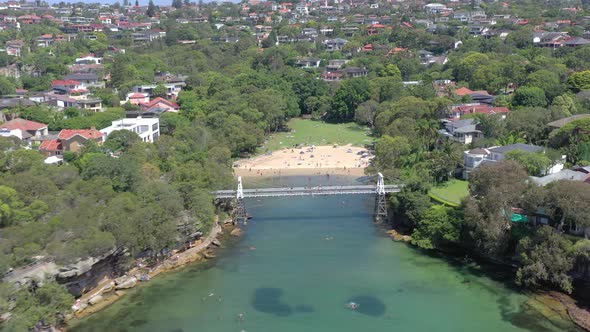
column 241, row 317
column 352, row 305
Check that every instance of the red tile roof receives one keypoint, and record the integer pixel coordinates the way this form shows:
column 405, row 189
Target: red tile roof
column 64, row 82
column 158, row 100
column 51, row 145
column 463, row 91
column 23, row 124
column 66, row 134
column 480, row 109
column 137, row 96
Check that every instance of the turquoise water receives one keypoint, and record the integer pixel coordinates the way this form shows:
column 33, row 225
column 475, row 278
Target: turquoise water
column 300, row 261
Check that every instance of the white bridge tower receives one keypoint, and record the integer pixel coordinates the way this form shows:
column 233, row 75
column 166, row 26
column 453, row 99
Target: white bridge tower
column 380, row 200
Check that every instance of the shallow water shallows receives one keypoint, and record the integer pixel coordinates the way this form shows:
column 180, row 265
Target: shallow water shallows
column 312, row 256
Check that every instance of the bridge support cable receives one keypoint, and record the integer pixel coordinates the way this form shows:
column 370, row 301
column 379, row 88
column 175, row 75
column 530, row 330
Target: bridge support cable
column 380, row 200
column 240, row 210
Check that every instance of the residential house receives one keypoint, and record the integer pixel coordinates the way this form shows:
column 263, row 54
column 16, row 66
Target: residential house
column 88, row 59
column 148, row 36
column 25, row 130
column 349, row 31
column 310, row 32
column 47, row 40
column 160, row 103
column 462, row 131
column 138, row 98
column 332, row 76
column 148, row 129
column 64, row 87
column 172, row 89
column 14, row 47
column 562, row 122
column 354, row 72
column 29, row 19
column 335, row 44
column 476, row 157
column 308, row 62
column 70, row 140
column 51, row 148
column 86, row 79
column 458, row 111
column 8, row 103
column 334, row 65
column 167, row 77
column 83, row 101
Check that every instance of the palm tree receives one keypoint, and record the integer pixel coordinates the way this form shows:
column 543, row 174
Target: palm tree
column 428, row 133
column 511, row 138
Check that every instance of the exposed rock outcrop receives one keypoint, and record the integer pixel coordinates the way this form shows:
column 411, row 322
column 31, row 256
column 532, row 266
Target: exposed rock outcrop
column 125, row 282
column 95, row 300
column 236, row 232
column 395, row 236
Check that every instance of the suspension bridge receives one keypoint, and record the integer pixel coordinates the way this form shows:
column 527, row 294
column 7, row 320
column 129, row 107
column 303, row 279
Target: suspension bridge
column 380, row 190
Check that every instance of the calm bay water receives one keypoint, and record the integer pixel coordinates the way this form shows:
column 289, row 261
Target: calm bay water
column 300, row 261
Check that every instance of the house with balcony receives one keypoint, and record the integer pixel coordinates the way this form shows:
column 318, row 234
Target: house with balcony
column 334, row 65
column 148, row 129
column 90, row 80
column 172, row 89
column 335, row 44
column 14, row 47
column 307, row 62
column 462, row 131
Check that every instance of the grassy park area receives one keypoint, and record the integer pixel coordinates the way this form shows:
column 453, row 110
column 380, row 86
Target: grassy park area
column 308, row 132
column 451, row 192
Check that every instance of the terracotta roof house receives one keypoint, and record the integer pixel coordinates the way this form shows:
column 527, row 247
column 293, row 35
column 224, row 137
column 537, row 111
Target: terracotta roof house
column 23, row 129
column 160, row 102
column 138, row 98
column 476, row 108
column 74, row 139
column 51, row 148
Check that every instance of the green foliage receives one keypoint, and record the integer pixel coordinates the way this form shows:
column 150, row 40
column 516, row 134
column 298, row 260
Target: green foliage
column 572, row 139
column 6, row 86
column 121, row 140
column 529, row 97
column 412, row 203
column 545, row 260
column 350, row 94
column 580, row 80
column 536, row 164
column 47, row 303
column 439, row 226
column 160, row 91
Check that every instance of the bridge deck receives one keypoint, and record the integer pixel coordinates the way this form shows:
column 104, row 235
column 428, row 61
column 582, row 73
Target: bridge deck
column 306, row 191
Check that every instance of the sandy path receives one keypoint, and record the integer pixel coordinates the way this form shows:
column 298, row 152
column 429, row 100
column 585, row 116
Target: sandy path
column 307, row 161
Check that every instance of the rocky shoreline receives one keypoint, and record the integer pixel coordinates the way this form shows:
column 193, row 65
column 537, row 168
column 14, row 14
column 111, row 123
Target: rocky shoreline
column 110, row 290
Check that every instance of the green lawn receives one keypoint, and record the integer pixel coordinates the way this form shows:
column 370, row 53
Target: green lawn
column 310, row 132
column 450, row 192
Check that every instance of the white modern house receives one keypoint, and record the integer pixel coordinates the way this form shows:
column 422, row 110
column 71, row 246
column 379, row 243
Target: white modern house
column 148, row 129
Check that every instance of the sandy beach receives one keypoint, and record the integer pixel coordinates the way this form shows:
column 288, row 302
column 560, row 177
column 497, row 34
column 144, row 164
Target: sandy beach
column 309, row 160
